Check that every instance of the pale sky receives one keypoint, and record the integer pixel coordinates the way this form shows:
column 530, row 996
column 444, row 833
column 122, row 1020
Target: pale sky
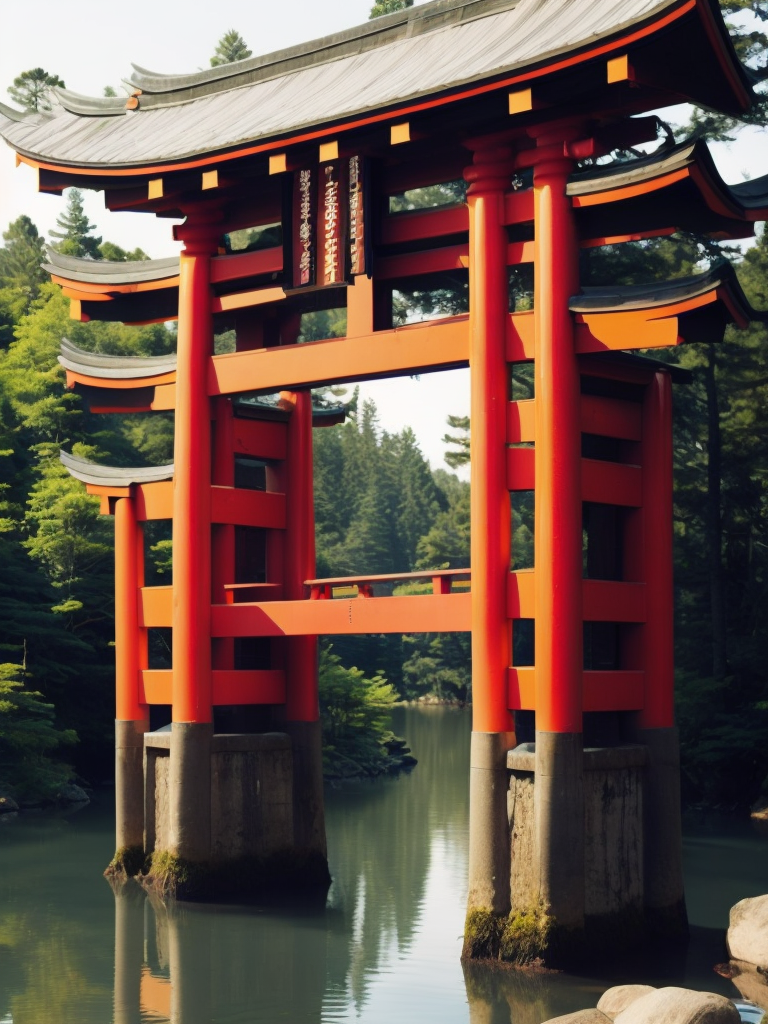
column 91, row 44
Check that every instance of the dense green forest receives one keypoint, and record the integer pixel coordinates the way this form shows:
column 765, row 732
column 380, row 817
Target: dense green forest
column 380, row 508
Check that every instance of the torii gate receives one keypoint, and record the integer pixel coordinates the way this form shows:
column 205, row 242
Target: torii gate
column 313, row 143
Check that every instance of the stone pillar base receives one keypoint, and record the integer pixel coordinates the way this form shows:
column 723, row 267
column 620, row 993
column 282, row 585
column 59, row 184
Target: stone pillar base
column 594, row 841
column 231, row 835
column 129, row 801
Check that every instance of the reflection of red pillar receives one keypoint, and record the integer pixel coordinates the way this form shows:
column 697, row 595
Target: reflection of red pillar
column 492, row 735
column 559, row 798
column 658, row 640
column 132, row 715
column 192, row 731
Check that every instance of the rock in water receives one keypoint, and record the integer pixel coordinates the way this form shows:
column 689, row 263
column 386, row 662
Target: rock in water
column 615, row 1000
column 679, row 1006
column 748, row 931
column 591, row 1016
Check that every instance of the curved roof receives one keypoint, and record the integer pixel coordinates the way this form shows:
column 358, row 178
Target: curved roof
column 432, row 50
column 114, row 367
column 104, row 272
column 744, row 198
column 113, row 476
column 625, row 298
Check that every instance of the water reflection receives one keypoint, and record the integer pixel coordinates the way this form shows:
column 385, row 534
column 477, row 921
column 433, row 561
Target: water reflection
column 385, row 948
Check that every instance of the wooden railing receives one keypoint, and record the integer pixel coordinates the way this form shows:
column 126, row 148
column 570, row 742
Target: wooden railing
column 441, row 582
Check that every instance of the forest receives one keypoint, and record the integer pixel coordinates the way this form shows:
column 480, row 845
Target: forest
column 380, row 508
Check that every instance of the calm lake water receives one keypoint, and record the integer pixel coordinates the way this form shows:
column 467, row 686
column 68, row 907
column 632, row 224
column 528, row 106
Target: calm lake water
column 384, row 949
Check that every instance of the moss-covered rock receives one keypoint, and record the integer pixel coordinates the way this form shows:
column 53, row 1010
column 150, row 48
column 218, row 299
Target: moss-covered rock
column 127, row 862
column 520, row 937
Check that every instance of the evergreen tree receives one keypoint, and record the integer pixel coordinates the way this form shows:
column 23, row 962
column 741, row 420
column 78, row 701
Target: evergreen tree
column 230, row 48
column 31, row 89
column 459, row 457
column 110, row 251
column 75, row 233
column 388, row 7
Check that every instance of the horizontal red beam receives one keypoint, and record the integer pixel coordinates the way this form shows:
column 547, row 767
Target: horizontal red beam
column 611, row 483
column 419, row 347
column 230, row 686
column 422, row 224
column 619, row 690
column 427, row 613
column 262, row 439
column 247, row 264
column 608, row 417
column 232, row 506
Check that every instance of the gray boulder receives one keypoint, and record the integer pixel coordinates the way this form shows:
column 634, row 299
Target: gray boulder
column 72, row 794
column 591, row 1016
column 747, row 936
column 7, row 804
column 615, row 1000
column 750, row 982
column 679, row 1006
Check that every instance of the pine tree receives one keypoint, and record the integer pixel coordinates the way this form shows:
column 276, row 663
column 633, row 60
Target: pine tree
column 75, row 233
column 388, row 7
column 21, row 273
column 230, row 48
column 32, row 88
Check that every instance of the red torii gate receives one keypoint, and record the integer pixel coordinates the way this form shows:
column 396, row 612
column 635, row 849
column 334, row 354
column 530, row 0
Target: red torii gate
column 312, row 143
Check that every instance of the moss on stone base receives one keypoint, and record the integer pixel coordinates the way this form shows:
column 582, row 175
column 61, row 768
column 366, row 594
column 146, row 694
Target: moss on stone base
column 128, row 862
column 521, row 937
column 278, row 875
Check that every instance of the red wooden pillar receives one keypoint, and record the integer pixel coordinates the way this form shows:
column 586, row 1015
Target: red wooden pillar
column 223, row 534
column 132, row 714
column 559, row 800
column 190, row 768
column 658, row 639
column 302, row 710
column 492, row 723
column 662, row 854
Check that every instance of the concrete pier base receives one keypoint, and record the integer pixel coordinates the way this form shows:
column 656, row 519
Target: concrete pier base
column 189, row 789
column 593, row 839
column 222, row 818
column 308, row 804
column 559, row 826
column 663, row 846
column 129, row 798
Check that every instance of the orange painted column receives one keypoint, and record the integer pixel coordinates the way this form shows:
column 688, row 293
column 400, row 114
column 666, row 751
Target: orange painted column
column 223, row 534
column 301, row 664
column 132, row 714
column 559, row 792
column 129, row 564
column 489, row 177
column 658, row 640
column 558, row 514
column 302, row 711
column 192, row 483
column 189, row 832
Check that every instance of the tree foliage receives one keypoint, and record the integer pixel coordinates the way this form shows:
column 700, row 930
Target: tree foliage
column 230, row 48
column 31, row 89
column 388, row 7
column 76, row 236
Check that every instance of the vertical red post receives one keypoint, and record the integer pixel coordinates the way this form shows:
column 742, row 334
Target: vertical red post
column 132, row 714
column 301, row 666
column 658, row 639
column 558, row 534
column 559, row 794
column 192, row 730
column 223, row 534
column 129, row 557
column 192, row 694
column 302, row 709
column 489, row 177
